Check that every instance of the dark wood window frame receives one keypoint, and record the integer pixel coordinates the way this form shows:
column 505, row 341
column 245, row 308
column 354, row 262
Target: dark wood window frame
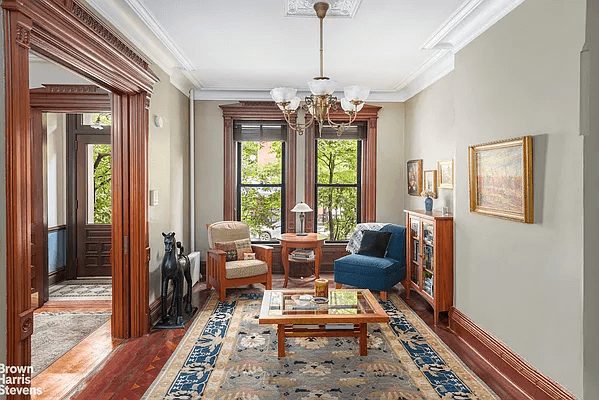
column 68, row 33
column 256, row 111
column 357, row 185
column 282, row 185
column 368, row 167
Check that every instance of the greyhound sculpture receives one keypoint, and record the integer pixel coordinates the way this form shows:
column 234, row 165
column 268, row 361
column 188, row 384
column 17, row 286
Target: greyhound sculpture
column 174, row 268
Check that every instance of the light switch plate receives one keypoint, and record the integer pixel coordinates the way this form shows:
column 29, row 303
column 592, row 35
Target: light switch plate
column 153, row 197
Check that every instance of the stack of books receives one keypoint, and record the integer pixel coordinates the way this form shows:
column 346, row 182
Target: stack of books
column 302, row 254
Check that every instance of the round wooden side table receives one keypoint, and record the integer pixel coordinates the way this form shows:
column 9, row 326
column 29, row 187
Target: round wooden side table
column 291, row 241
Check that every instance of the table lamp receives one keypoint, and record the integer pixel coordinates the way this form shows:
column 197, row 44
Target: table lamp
column 301, row 208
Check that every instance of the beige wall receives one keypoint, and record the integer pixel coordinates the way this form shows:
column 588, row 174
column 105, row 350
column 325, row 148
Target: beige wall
column 591, row 214
column 57, row 169
column 209, row 165
column 2, row 201
column 168, row 172
column 429, row 136
column 521, row 282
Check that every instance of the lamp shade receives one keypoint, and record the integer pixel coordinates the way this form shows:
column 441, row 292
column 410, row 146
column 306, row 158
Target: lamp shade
column 322, row 86
column 282, row 94
column 349, row 106
column 356, row 92
column 301, row 207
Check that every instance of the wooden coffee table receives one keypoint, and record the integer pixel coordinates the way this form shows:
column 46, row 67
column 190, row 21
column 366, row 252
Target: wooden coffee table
column 347, row 313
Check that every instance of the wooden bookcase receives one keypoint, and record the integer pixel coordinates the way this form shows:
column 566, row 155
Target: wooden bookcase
column 429, row 258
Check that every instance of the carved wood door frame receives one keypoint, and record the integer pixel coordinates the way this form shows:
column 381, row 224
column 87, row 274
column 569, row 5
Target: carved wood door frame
column 56, row 99
column 66, row 32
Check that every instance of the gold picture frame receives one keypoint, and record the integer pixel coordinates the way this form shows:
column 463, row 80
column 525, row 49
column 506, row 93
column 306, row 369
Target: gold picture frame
column 430, row 182
column 501, row 179
column 414, row 172
column 445, row 174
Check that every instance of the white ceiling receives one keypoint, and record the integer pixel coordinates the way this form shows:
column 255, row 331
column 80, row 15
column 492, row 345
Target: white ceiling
column 236, row 49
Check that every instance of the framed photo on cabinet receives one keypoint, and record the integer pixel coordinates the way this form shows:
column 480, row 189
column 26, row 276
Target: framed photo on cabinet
column 414, row 177
column 445, row 174
column 501, row 183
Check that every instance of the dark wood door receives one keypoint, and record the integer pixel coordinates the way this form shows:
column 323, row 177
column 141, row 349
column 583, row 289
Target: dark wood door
column 93, row 204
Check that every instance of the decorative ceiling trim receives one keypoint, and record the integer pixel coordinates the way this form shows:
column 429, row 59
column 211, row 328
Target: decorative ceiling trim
column 452, row 22
column 241, row 94
column 129, row 25
column 471, row 19
column 151, row 22
column 337, row 8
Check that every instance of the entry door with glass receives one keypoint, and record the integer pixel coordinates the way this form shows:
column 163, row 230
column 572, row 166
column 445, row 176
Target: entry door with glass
column 93, row 203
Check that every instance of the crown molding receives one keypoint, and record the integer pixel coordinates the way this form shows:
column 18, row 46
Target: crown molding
column 471, row 19
column 241, row 94
column 130, row 26
column 305, row 8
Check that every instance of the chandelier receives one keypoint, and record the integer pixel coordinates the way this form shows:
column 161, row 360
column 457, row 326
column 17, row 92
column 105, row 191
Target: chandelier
column 321, row 101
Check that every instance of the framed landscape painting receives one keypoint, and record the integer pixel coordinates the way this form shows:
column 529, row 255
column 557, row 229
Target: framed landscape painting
column 445, row 174
column 414, row 177
column 501, row 179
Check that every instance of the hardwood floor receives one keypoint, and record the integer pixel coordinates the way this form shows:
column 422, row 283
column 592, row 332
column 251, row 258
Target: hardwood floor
column 133, row 366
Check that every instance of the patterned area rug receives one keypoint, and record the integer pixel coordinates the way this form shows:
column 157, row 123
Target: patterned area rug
column 226, row 354
column 82, row 289
column 55, row 333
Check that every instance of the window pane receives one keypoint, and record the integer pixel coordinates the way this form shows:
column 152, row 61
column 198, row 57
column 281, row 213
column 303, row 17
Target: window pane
column 261, row 210
column 337, row 211
column 337, row 161
column 99, row 193
column 261, row 162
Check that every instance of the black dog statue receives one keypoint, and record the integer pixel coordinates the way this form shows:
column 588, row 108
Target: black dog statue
column 174, row 268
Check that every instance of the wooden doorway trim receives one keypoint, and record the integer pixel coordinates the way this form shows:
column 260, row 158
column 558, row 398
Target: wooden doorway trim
column 66, row 32
column 56, row 99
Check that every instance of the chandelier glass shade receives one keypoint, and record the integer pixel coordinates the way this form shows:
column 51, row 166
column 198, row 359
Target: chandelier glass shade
column 321, row 101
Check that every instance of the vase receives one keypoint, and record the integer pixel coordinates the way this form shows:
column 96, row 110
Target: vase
column 428, row 204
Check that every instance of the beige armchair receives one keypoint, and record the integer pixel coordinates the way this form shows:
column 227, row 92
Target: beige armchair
column 223, row 274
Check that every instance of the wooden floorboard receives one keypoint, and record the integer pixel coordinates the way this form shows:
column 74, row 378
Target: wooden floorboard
column 134, row 365
column 68, row 371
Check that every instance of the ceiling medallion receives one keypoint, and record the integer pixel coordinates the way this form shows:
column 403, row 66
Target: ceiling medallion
column 337, row 8
column 321, row 100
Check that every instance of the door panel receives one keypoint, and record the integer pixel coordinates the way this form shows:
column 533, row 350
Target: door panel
column 93, row 205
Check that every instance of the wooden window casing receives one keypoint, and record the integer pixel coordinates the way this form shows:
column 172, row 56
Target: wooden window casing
column 367, row 199
column 256, row 111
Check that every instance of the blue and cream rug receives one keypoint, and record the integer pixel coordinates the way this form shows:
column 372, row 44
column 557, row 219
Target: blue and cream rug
column 226, row 354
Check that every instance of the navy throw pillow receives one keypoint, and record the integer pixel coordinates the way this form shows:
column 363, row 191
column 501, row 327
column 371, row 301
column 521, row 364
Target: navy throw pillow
column 375, row 243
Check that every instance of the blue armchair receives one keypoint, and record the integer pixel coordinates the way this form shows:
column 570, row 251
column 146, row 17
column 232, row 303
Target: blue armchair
column 367, row 272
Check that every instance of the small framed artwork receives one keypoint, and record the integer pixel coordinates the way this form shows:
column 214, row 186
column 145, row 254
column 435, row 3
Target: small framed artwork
column 414, row 177
column 445, row 174
column 430, row 182
column 501, row 179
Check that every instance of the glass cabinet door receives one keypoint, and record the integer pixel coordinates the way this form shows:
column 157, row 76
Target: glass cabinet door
column 428, row 257
column 415, row 250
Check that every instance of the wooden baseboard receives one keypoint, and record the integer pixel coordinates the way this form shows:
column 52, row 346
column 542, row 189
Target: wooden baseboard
column 531, row 381
column 58, row 275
